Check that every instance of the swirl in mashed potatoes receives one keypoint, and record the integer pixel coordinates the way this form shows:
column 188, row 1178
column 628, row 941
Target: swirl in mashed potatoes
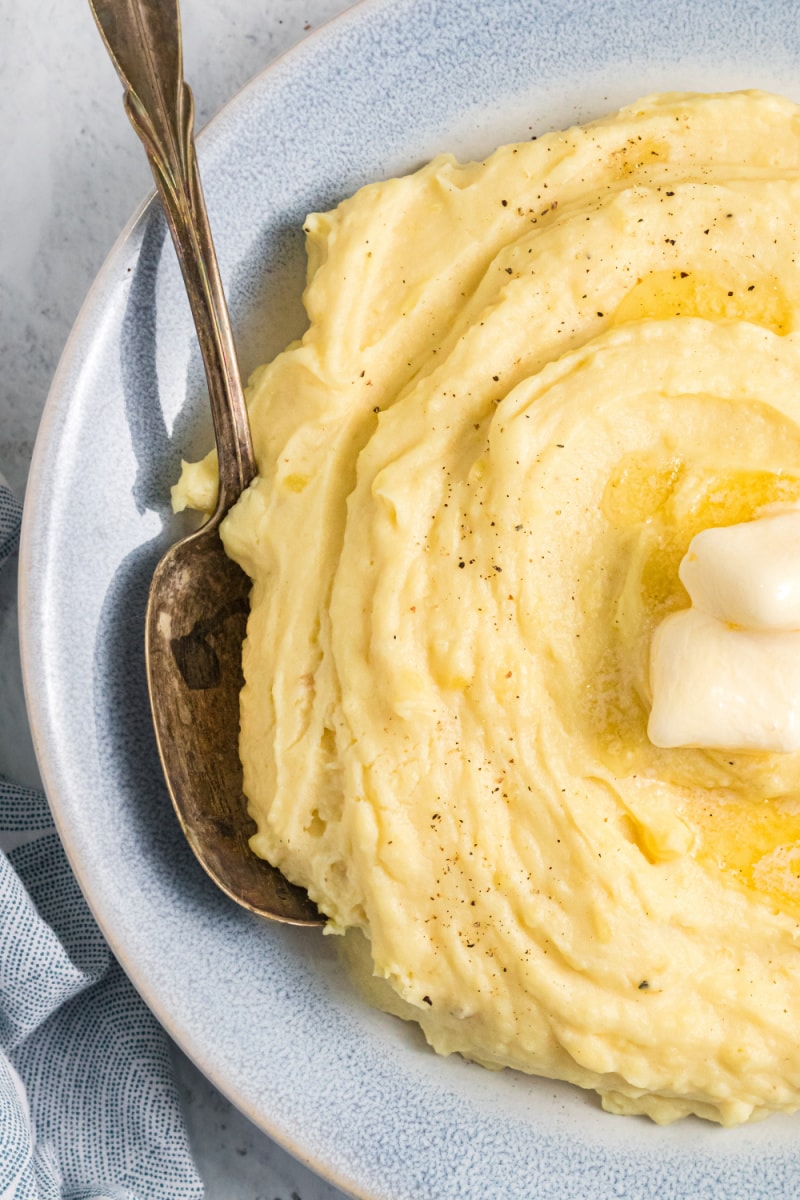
column 526, row 384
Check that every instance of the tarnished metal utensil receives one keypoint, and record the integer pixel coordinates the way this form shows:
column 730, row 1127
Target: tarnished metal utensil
column 199, row 598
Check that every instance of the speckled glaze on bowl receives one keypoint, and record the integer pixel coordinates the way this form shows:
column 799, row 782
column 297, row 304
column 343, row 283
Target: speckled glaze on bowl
column 265, row 1010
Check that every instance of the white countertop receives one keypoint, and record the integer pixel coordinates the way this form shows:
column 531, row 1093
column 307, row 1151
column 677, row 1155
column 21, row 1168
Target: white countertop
column 73, row 172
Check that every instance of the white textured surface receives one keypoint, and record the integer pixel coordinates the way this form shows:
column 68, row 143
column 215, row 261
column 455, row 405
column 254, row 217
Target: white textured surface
column 73, row 172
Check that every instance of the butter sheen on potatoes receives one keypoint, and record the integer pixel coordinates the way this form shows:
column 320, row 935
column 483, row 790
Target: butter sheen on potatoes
column 526, row 385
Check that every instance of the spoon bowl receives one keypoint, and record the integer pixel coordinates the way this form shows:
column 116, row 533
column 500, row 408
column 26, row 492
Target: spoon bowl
column 196, row 621
column 199, row 598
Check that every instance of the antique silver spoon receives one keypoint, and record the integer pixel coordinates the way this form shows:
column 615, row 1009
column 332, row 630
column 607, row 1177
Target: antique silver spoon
column 199, row 599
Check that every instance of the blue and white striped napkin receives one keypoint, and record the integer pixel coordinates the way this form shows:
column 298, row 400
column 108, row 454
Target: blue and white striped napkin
column 88, row 1104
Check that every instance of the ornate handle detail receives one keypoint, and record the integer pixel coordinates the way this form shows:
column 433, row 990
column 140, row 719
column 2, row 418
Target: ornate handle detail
column 143, row 40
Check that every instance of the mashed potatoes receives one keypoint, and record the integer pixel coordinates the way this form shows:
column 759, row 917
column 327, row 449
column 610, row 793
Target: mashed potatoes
column 526, row 385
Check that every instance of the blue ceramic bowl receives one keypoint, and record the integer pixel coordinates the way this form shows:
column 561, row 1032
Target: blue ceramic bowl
column 263, row 1010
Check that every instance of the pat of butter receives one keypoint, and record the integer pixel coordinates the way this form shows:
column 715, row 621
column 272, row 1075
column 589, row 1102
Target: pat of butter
column 748, row 574
column 724, row 688
column 725, row 673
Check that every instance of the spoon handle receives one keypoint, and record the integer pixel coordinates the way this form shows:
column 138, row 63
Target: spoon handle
column 143, row 38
